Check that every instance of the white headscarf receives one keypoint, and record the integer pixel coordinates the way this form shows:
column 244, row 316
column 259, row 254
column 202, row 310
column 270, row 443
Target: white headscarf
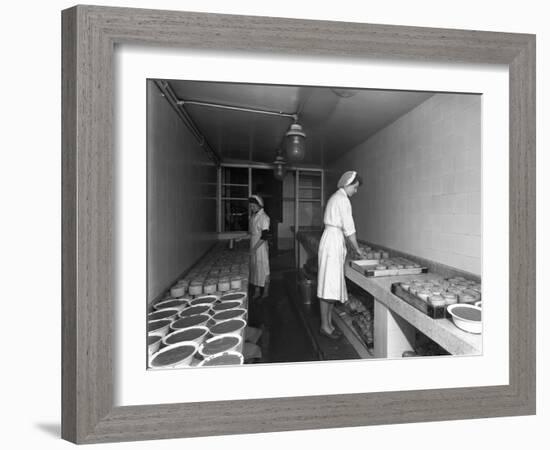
column 347, row 178
column 259, row 200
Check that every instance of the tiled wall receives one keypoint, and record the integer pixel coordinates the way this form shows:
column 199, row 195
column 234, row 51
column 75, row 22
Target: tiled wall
column 422, row 190
column 181, row 205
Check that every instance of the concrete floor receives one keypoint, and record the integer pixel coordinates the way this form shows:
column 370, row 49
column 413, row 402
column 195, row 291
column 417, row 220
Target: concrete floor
column 285, row 337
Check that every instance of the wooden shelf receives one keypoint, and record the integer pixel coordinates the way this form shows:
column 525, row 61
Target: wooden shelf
column 303, row 200
column 344, row 323
column 442, row 331
column 310, row 174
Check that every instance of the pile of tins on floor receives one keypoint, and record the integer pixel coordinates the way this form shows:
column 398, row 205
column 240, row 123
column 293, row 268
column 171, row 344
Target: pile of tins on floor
column 373, row 253
column 202, row 320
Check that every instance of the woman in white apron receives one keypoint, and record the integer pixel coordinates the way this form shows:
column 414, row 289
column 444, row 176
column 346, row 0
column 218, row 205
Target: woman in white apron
column 258, row 229
column 339, row 225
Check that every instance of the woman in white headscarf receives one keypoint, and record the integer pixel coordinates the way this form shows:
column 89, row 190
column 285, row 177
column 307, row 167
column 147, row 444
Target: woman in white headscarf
column 258, row 229
column 339, row 226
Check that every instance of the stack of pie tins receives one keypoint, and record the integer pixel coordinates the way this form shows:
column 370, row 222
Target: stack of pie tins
column 224, row 306
column 195, row 334
column 235, row 313
column 153, row 343
column 195, row 288
column 236, row 282
column 195, row 320
column 219, row 344
column 234, row 296
column 160, row 327
column 175, row 303
column 177, row 291
column 231, row 326
column 165, row 313
column 204, row 300
column 174, row 356
column 193, row 310
column 468, row 296
column 223, row 359
column 224, row 284
column 239, row 295
column 210, row 286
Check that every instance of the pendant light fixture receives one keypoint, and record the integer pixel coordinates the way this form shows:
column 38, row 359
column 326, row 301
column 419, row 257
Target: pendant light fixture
column 295, row 142
column 279, row 166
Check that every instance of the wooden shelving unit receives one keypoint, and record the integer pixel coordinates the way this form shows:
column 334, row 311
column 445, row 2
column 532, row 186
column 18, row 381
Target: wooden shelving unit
column 225, row 183
column 307, row 183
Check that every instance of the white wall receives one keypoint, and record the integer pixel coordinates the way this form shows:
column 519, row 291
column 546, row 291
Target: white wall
column 31, row 238
column 422, row 177
column 180, row 222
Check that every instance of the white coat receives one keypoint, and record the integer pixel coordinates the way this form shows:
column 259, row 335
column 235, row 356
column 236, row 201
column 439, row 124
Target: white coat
column 338, row 220
column 259, row 261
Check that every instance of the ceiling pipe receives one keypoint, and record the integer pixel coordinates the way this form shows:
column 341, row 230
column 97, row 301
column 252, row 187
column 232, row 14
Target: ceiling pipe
column 293, row 116
column 170, row 96
column 232, row 162
column 293, row 141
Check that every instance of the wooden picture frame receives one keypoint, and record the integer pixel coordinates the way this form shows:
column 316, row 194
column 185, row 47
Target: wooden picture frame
column 89, row 37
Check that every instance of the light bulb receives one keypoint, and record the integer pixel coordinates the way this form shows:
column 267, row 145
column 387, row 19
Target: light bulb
column 279, row 171
column 295, row 148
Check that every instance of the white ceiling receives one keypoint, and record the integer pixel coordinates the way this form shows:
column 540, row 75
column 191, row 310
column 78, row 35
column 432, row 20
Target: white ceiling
column 334, row 122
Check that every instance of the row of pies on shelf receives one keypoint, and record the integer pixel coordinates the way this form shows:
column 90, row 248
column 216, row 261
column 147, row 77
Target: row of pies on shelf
column 206, row 328
column 396, row 263
column 220, row 271
column 445, row 292
column 208, row 284
column 372, row 253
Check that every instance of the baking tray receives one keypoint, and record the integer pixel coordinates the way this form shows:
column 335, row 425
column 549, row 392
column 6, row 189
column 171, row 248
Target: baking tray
column 437, row 312
column 367, row 267
column 361, row 264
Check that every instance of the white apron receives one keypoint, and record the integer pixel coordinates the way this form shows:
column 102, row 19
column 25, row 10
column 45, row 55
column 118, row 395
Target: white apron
column 331, row 282
column 259, row 261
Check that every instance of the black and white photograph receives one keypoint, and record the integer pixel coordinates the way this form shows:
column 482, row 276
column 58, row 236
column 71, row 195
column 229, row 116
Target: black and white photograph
column 292, row 223
column 266, row 225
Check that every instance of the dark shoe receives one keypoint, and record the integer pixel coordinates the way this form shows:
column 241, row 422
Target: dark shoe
column 332, row 335
column 337, row 332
